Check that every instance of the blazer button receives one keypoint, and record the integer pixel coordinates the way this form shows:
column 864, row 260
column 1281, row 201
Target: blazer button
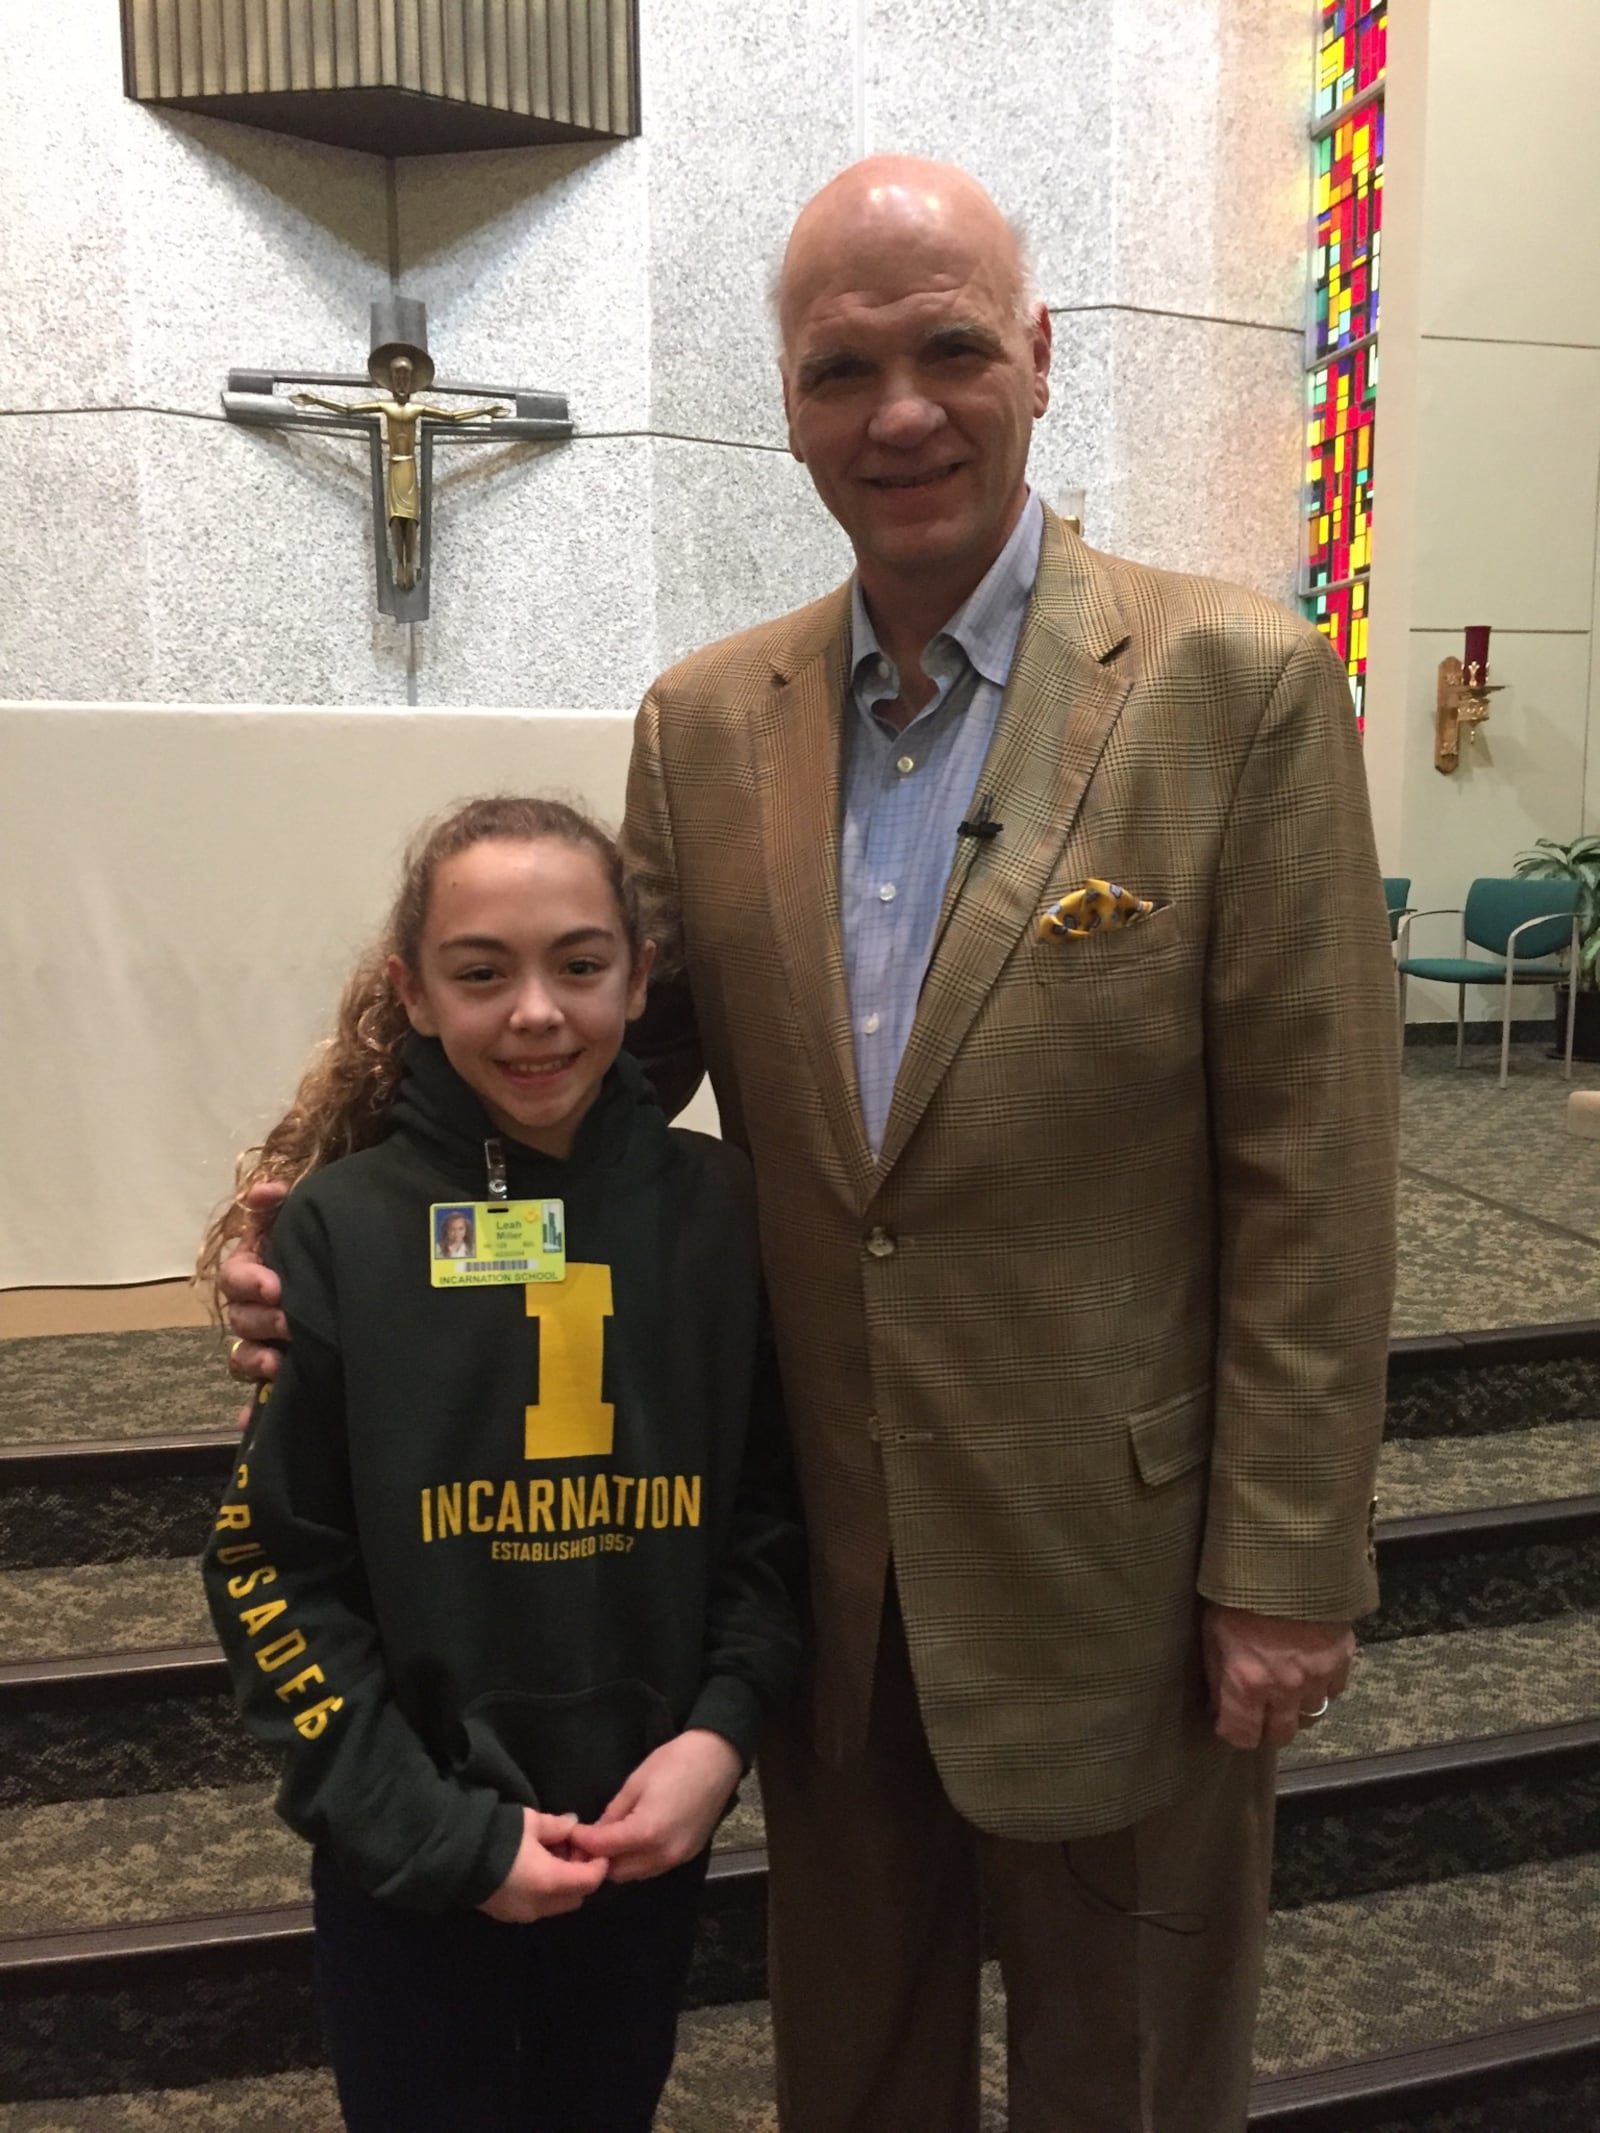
column 880, row 1244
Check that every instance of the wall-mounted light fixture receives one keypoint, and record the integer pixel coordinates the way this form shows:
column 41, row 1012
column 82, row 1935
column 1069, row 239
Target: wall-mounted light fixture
column 393, row 77
column 1463, row 698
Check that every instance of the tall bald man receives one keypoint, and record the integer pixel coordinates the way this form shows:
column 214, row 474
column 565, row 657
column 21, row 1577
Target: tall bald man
column 1027, row 920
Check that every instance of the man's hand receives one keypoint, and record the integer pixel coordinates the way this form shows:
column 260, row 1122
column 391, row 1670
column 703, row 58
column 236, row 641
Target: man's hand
column 1267, row 1674
column 667, row 1808
column 545, row 1880
column 254, row 1292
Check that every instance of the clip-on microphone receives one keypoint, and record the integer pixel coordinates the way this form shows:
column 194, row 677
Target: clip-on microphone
column 981, row 826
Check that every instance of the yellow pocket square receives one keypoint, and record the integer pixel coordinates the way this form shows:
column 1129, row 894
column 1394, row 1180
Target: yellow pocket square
column 1096, row 906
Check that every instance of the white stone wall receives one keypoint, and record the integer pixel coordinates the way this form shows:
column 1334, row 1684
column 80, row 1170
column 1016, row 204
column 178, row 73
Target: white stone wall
column 1154, row 149
column 184, row 880
column 1488, row 443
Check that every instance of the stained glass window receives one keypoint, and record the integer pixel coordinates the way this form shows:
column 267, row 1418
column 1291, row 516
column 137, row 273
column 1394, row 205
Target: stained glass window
column 1342, row 344
column 1339, row 398
column 1349, row 221
column 1350, row 51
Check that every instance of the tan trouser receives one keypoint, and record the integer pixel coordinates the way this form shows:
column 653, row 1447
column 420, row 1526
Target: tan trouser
column 1114, row 2025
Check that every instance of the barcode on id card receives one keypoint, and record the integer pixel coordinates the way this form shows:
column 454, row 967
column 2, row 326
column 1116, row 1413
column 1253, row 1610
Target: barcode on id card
column 499, row 1266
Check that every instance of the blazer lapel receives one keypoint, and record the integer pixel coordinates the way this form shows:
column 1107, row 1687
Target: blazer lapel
column 796, row 735
column 1065, row 691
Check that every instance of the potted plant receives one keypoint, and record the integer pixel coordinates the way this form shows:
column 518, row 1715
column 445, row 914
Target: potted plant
column 1578, row 861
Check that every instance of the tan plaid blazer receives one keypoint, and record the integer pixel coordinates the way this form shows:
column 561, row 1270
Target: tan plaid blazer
column 1104, row 1325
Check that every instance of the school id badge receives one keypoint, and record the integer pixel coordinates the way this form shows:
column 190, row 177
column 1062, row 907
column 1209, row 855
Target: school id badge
column 478, row 1244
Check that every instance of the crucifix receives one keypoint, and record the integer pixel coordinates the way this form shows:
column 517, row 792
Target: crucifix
column 400, row 430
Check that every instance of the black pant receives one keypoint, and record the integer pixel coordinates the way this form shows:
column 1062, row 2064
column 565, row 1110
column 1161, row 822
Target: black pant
column 458, row 2024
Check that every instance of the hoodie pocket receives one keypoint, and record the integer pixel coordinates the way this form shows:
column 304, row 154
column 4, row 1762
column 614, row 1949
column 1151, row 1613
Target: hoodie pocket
column 564, row 1754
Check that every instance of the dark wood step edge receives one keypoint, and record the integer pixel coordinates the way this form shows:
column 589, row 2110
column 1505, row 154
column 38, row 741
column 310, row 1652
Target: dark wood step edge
column 1429, row 2071
column 173, row 1666
column 1361, row 1779
column 1561, row 1518
column 90, row 1459
column 1560, row 1341
column 31, row 1958
column 25, row 1955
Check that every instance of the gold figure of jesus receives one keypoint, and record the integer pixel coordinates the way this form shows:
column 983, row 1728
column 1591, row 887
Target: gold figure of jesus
column 402, row 491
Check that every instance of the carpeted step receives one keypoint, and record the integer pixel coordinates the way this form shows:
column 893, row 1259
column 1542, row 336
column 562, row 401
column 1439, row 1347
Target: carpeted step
column 138, row 1722
column 87, row 1479
column 162, row 1998
column 66, row 1387
column 1467, row 1753
column 1487, row 1530
column 137, row 1860
column 100, row 1504
column 110, row 1501
column 299, row 2102
column 1375, row 1975
column 144, row 1857
column 1478, row 1569
column 717, row 2050
column 1525, row 1653
column 1461, row 1685
column 1479, row 1384
column 1420, row 1475
column 1411, row 1966
column 1538, row 2095
column 143, row 1724
column 151, row 1603
column 61, row 1388
column 175, row 2002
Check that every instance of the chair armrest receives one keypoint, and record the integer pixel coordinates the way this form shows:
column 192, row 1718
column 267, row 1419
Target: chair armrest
column 1403, row 937
column 1527, row 923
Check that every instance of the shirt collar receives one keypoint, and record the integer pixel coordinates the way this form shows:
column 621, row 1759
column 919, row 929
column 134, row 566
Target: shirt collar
column 988, row 623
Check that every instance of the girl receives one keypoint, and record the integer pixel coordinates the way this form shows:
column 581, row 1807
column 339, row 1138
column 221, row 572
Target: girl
column 506, row 1573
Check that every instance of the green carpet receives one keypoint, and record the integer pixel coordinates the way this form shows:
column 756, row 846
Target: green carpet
column 141, row 1606
column 1499, row 1204
column 60, row 1388
column 1419, row 1475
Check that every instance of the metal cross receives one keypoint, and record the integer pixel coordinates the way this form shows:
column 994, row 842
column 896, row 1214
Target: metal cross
column 400, row 431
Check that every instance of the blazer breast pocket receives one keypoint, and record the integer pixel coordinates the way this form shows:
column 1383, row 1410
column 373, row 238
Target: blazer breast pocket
column 1113, row 952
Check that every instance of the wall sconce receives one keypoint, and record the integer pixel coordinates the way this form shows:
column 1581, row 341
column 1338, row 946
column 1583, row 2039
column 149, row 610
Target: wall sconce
column 1463, row 699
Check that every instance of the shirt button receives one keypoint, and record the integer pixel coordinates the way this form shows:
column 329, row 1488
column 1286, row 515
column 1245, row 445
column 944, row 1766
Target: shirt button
column 880, row 1244
column 886, row 893
column 906, row 763
column 871, row 1025
column 880, row 667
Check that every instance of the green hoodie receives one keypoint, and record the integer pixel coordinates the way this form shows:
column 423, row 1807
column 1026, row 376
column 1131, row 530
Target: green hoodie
column 432, row 1620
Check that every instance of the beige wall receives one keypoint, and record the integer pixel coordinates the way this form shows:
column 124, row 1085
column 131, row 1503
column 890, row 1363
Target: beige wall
column 1488, row 451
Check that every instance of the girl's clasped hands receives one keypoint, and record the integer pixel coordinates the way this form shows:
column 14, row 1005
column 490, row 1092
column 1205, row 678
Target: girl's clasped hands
column 664, row 1814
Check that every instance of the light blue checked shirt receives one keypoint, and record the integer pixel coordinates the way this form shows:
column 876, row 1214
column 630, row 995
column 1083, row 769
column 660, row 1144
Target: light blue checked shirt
column 905, row 793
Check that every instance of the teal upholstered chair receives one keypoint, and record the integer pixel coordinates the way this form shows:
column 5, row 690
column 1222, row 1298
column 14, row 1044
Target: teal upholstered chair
column 1521, row 925
column 1397, row 896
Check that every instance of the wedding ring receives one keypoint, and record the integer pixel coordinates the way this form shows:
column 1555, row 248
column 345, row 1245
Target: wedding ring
column 1309, row 1718
column 234, row 1346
